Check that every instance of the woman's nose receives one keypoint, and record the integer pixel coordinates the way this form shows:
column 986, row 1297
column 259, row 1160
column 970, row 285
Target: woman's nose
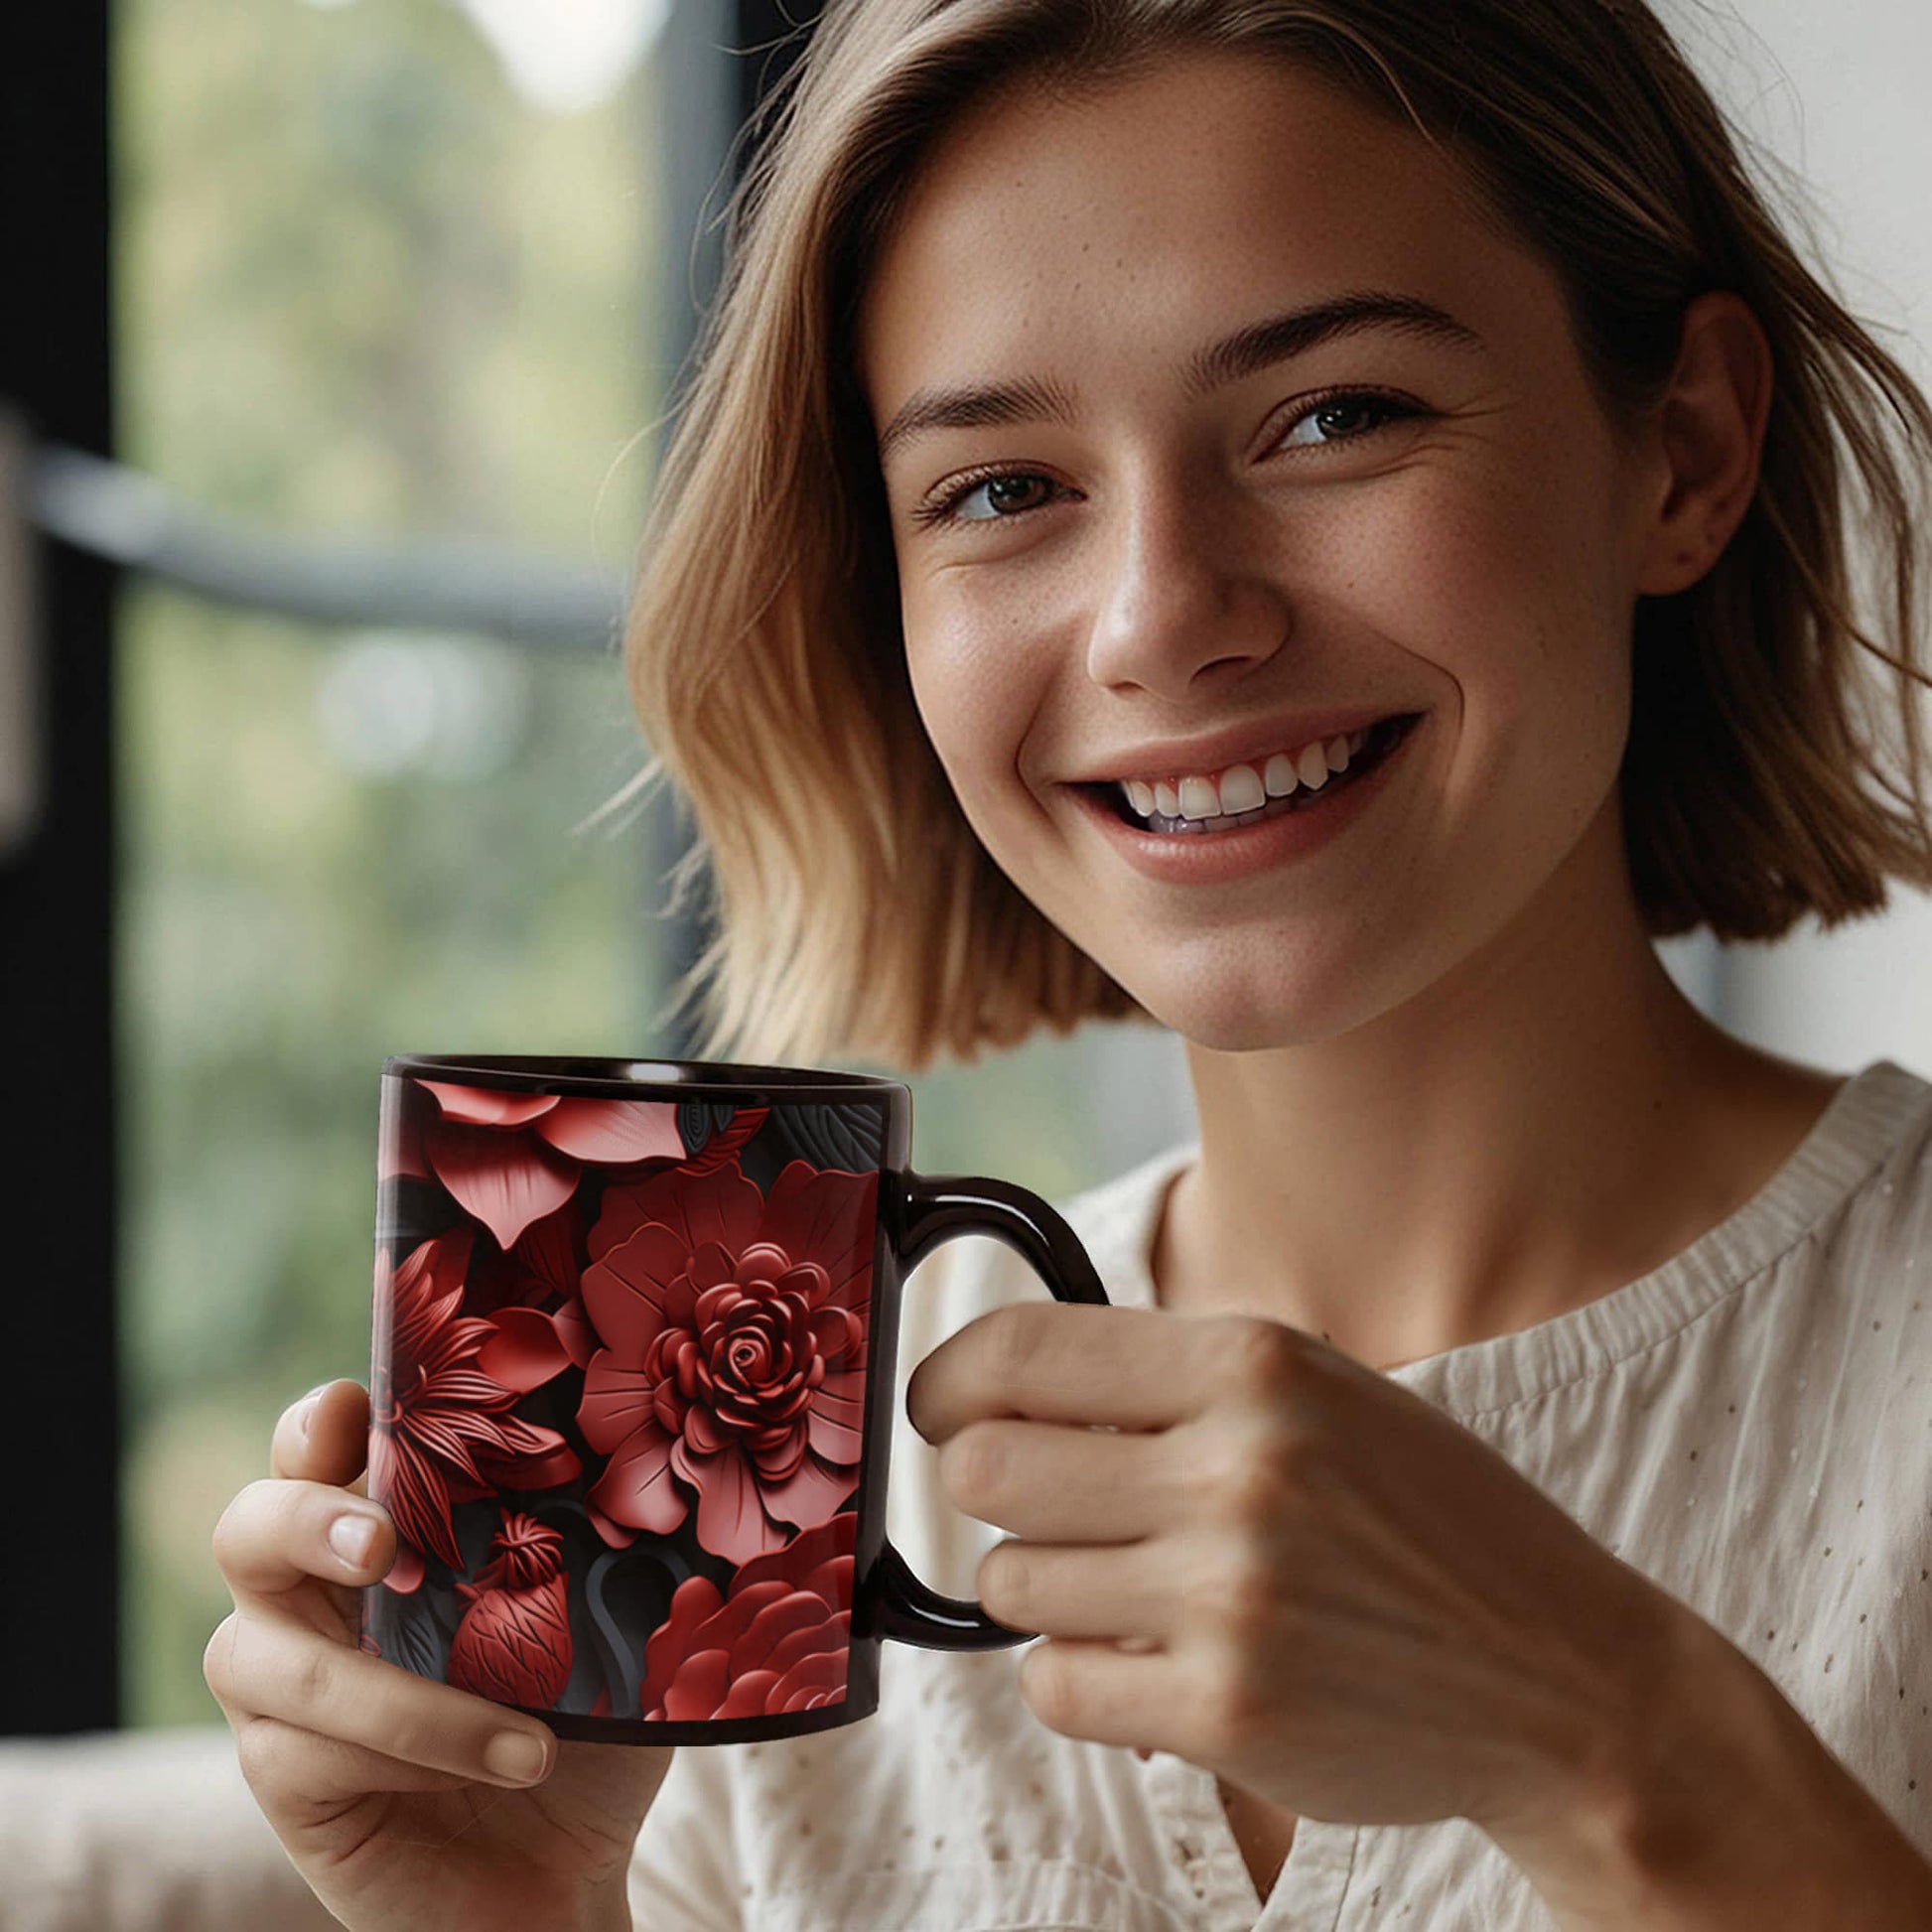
column 1182, row 597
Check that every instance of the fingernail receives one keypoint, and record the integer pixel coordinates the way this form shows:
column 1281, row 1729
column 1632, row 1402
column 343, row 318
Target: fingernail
column 516, row 1755
column 306, row 1413
column 352, row 1537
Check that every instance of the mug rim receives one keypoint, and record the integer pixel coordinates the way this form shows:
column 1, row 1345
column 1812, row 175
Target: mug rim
column 621, row 1078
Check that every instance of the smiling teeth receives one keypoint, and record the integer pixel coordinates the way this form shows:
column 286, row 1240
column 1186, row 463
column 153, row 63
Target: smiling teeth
column 1242, row 788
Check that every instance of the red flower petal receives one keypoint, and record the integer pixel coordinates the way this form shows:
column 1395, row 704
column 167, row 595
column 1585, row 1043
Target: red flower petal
column 507, row 1181
column 826, row 1216
column 483, row 1107
column 774, row 1623
column 636, row 1488
column 729, row 1622
column 840, row 1336
column 693, row 1603
column 837, row 1418
column 416, row 1495
column 576, row 1334
column 619, row 1536
column 549, row 1470
column 630, row 1294
column 807, row 1498
column 747, row 1694
column 830, row 1634
column 711, row 1265
column 616, row 1404
column 731, row 1522
column 715, row 1303
column 699, row 1686
column 721, row 1206
column 823, row 1673
column 805, row 1554
column 701, row 1432
column 830, row 1582
column 525, row 1352
column 614, row 1130
column 548, row 1249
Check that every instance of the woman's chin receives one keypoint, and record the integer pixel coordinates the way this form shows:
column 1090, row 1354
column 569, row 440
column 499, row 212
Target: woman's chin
column 1219, row 1013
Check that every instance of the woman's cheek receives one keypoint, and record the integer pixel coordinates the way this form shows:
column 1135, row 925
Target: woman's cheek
column 970, row 682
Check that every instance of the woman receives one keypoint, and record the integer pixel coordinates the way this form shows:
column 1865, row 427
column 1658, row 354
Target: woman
column 1325, row 525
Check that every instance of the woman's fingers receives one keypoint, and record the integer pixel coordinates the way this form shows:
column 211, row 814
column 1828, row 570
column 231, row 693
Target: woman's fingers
column 324, row 1437
column 269, row 1667
column 278, row 1534
column 1080, row 1589
column 288, row 1768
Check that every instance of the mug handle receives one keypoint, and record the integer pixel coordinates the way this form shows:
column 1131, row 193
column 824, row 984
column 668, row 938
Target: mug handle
column 933, row 1208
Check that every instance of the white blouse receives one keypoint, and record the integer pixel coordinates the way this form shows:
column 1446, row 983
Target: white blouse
column 1751, row 1424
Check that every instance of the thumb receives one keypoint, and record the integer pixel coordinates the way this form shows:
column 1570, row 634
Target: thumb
column 325, row 1437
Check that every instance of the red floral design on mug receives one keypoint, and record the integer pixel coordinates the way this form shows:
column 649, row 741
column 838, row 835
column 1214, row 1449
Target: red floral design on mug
column 510, row 1158
column 514, row 1643
column 733, row 1367
column 437, row 1427
column 778, row 1640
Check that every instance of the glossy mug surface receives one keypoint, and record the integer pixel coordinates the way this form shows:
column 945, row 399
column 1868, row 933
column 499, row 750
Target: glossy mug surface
column 631, row 1378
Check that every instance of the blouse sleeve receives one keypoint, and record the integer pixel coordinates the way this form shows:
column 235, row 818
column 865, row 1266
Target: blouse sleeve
column 684, row 1868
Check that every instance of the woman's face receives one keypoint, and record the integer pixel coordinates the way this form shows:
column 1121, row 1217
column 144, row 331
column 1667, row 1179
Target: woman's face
column 1150, row 546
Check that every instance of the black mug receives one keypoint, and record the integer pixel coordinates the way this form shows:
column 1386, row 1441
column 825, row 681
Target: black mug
column 631, row 1387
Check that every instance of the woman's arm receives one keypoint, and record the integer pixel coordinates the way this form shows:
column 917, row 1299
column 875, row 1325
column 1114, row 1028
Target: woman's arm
column 1721, row 1811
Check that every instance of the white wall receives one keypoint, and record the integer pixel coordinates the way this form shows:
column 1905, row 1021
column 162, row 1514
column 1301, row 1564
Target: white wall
column 1838, row 93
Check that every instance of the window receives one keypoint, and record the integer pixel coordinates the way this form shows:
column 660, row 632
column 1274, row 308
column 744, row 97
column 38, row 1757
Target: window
column 401, row 293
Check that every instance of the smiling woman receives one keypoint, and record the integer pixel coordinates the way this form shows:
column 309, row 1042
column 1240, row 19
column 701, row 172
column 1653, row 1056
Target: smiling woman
column 1327, row 524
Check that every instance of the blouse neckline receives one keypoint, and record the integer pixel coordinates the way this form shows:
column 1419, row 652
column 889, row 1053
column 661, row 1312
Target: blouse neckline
column 1844, row 1149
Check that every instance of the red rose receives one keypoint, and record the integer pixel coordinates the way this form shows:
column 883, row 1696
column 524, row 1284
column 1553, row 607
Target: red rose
column 780, row 1639
column 733, row 1365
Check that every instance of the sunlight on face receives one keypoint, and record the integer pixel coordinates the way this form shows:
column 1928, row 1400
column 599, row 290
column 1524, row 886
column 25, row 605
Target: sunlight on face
column 1125, row 538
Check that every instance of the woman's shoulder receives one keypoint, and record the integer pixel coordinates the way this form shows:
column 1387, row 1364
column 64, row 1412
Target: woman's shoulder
column 1873, row 1237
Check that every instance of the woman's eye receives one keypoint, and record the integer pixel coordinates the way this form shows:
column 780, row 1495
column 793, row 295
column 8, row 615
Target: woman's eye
column 989, row 498
column 1340, row 418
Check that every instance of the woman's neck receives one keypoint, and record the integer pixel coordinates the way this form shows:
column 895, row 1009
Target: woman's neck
column 1551, row 1121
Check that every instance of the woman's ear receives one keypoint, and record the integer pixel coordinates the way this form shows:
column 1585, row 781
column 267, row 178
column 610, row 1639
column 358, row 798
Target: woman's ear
column 1706, row 441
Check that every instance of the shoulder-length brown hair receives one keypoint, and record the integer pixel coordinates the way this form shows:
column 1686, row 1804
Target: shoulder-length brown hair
column 1771, row 771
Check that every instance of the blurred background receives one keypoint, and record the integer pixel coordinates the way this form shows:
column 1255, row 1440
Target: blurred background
column 332, row 387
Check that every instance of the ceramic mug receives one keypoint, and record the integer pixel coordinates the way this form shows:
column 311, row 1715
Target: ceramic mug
column 631, row 1387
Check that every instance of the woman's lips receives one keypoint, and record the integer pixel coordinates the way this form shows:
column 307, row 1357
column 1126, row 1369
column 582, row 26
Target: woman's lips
column 1206, row 858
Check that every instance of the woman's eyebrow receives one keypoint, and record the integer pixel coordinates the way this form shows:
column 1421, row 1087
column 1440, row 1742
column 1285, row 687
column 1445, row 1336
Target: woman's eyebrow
column 1256, row 347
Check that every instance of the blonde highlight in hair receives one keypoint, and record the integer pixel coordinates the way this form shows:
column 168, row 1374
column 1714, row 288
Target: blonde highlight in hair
column 857, row 913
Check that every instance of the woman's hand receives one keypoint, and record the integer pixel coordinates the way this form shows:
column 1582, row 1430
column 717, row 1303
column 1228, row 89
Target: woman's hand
column 1285, row 1567
column 389, row 1791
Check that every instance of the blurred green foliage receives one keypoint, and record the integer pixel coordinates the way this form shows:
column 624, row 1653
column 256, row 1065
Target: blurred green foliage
column 367, row 289
column 364, row 290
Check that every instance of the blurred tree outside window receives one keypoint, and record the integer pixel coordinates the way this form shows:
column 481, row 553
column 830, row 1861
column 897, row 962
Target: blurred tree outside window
column 389, row 269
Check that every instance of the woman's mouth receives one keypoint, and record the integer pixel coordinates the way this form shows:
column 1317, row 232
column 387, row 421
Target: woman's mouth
column 1381, row 740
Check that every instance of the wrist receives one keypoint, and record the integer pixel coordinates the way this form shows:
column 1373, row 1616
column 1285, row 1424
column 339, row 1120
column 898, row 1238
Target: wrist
column 609, row 1908
column 1715, row 1805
